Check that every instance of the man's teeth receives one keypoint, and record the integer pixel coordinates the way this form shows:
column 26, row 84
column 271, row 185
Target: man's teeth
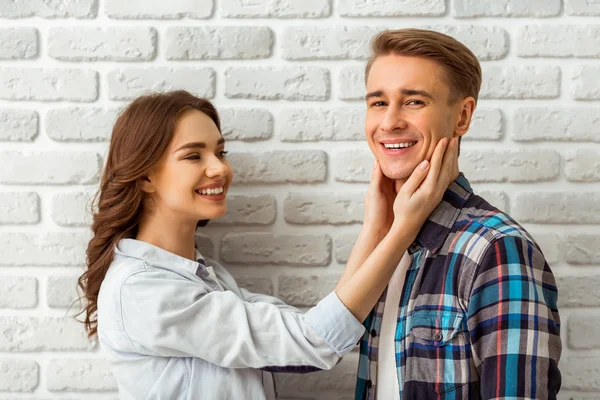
column 211, row 192
column 398, row 145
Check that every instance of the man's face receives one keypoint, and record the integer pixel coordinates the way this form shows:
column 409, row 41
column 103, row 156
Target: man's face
column 407, row 112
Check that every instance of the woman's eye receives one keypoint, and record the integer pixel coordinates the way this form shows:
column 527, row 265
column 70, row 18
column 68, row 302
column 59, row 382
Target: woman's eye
column 223, row 153
column 192, row 157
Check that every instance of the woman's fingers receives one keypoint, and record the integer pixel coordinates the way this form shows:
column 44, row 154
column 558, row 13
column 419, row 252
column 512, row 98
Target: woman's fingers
column 416, row 178
column 436, row 162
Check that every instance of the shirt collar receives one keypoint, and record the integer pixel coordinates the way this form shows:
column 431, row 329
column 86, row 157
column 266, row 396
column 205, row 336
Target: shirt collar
column 435, row 230
column 148, row 252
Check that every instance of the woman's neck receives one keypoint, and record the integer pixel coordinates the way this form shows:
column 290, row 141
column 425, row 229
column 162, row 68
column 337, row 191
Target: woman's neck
column 177, row 237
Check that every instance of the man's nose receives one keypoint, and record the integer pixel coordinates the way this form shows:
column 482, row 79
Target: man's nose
column 392, row 120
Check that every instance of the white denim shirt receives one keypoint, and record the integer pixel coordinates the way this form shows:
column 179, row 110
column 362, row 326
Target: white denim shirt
column 173, row 328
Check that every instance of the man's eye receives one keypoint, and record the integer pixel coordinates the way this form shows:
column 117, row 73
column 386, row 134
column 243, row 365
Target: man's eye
column 415, row 103
column 378, row 104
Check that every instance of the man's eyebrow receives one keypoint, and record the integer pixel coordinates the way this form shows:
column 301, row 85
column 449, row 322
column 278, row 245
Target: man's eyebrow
column 414, row 92
column 377, row 93
column 404, row 92
column 197, row 145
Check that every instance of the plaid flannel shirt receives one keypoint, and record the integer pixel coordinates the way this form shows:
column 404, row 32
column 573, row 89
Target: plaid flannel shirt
column 478, row 314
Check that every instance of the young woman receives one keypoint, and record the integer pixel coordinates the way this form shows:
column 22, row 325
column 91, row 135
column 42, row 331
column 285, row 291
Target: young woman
column 174, row 324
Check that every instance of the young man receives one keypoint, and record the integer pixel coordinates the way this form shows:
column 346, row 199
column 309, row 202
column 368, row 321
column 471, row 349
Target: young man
column 470, row 312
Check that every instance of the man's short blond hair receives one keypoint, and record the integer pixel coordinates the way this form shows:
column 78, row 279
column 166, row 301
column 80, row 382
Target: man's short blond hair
column 463, row 72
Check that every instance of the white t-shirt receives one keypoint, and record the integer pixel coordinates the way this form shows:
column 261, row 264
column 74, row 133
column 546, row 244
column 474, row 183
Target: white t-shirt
column 387, row 376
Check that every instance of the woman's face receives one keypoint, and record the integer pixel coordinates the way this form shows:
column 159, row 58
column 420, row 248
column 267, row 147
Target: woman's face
column 191, row 179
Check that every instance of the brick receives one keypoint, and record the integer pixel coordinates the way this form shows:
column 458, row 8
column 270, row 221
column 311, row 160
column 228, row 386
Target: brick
column 506, row 8
column 81, row 9
column 557, row 208
column 315, row 124
column 351, row 83
column 344, row 242
column 550, row 244
column 254, row 284
column 580, row 373
column 42, row 334
column 19, row 375
column 579, row 124
column 158, row 9
column 249, row 210
column 305, row 291
column 129, row 83
column 582, row 165
column 583, row 248
column 61, row 291
column 102, row 44
column 398, row 8
column 339, row 380
column 246, row 124
column 327, row 42
column 80, row 375
column 353, row 166
column 278, row 166
column 578, row 290
column 18, row 292
column 51, row 84
column 275, row 83
column 486, row 42
column 585, row 83
column 324, row 208
column 558, row 41
column 582, row 8
column 275, row 9
column 18, row 125
column 486, row 124
column 79, row 124
column 510, row 165
column 582, row 329
column 19, row 208
column 497, row 199
column 18, row 43
column 51, row 249
column 224, row 43
column 205, row 245
column 520, row 82
column 268, row 248
column 59, row 168
column 72, row 208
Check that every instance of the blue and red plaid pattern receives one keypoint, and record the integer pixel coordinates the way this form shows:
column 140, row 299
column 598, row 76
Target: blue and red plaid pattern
column 478, row 315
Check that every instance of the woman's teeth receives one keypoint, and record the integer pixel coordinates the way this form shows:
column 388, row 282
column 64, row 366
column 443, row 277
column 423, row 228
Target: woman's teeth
column 211, row 192
column 398, row 145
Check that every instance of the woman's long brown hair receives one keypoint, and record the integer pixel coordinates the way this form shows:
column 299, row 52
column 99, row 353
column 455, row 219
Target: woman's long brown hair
column 139, row 138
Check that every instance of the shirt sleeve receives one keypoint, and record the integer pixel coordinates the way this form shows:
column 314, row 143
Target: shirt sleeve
column 263, row 298
column 514, row 324
column 171, row 316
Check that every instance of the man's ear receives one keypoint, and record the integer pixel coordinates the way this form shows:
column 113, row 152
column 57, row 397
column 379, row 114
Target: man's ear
column 466, row 108
column 147, row 185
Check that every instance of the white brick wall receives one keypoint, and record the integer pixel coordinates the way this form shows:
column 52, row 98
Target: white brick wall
column 287, row 77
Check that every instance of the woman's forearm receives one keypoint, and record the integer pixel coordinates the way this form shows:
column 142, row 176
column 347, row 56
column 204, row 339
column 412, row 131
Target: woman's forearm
column 362, row 290
column 367, row 241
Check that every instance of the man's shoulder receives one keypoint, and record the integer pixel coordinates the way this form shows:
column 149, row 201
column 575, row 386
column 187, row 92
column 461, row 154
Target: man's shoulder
column 482, row 223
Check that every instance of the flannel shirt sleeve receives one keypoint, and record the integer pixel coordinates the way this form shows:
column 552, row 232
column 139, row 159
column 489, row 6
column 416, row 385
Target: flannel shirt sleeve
column 514, row 324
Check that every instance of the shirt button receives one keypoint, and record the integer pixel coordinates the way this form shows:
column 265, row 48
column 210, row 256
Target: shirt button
column 373, row 332
column 369, row 384
column 438, row 337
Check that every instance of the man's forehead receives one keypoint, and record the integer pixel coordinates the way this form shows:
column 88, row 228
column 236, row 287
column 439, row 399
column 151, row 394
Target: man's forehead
column 396, row 73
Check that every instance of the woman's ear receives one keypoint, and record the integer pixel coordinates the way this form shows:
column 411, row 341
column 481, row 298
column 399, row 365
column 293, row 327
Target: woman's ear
column 147, row 185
